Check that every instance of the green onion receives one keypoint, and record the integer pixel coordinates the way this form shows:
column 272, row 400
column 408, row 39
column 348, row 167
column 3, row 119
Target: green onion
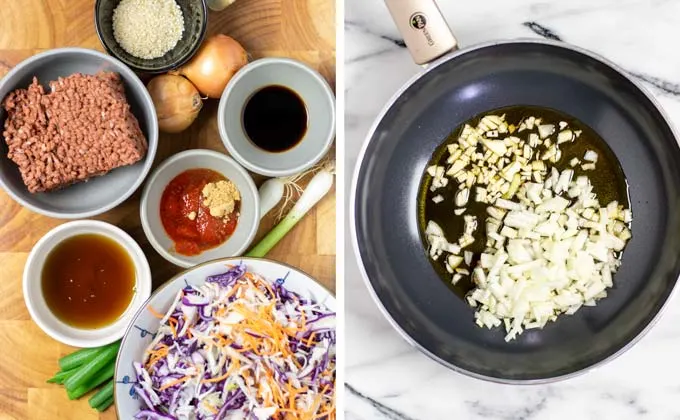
column 77, row 393
column 104, row 394
column 90, row 370
column 61, row 376
column 105, row 405
column 78, row 358
column 318, row 187
column 102, row 376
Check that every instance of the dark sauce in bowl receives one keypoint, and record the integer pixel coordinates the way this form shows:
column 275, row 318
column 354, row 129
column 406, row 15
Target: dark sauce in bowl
column 88, row 281
column 608, row 181
column 275, row 118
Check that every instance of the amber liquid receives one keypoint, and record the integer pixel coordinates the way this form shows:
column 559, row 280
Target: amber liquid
column 88, row 281
column 275, row 118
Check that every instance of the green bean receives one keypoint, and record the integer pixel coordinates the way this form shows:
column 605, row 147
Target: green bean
column 89, row 370
column 78, row 358
column 105, row 405
column 104, row 394
column 102, row 376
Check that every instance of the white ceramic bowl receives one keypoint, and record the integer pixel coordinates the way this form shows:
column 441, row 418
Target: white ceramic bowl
column 35, row 301
column 248, row 221
column 144, row 325
column 312, row 89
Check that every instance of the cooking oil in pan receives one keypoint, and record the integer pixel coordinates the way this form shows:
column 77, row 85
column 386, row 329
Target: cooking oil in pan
column 607, row 179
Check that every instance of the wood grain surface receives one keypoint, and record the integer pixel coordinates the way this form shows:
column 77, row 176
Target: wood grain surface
column 300, row 29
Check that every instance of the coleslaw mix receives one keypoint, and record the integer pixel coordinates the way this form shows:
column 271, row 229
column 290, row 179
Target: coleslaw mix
column 240, row 347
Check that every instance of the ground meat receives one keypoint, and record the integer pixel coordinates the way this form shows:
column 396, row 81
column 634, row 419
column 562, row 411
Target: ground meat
column 83, row 128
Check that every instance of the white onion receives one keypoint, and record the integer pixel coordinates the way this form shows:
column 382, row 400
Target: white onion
column 545, row 130
column 528, row 283
column 590, row 156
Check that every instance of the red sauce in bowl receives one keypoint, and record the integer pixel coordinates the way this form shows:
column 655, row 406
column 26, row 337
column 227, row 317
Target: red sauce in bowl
column 181, row 197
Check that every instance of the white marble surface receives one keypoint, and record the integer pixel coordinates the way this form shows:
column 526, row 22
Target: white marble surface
column 386, row 378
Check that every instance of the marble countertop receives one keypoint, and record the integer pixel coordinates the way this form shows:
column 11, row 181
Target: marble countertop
column 388, row 379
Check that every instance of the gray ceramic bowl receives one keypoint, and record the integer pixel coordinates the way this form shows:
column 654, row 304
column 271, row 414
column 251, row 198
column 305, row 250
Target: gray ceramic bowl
column 312, row 89
column 149, row 209
column 100, row 194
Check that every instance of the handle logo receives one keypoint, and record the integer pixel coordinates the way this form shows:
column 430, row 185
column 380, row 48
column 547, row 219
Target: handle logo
column 418, row 21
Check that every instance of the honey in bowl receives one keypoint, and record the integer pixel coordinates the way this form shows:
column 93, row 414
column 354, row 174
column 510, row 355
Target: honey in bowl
column 88, row 281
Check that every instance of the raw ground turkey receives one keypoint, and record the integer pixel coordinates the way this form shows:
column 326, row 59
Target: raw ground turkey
column 83, row 128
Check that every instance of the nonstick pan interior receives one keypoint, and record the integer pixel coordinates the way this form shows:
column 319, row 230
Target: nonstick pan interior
column 384, row 209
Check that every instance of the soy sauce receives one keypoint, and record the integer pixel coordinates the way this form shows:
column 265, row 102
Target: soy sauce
column 275, row 118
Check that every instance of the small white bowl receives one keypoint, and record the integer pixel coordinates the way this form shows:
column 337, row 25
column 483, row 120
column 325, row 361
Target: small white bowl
column 149, row 209
column 314, row 92
column 35, row 301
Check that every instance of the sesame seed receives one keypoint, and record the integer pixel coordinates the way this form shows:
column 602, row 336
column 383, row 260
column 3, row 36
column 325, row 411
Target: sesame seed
column 148, row 28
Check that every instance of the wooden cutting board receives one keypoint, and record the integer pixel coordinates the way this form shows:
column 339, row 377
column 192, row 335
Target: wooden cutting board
column 301, row 29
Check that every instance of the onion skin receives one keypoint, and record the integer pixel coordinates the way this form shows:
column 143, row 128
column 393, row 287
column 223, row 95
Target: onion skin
column 219, row 5
column 215, row 63
column 176, row 100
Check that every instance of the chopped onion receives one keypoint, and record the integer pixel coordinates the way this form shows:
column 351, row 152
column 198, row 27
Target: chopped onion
column 545, row 130
column 496, row 213
column 565, row 136
column 590, row 156
column 468, row 257
column 496, row 146
column 528, row 282
column 454, row 261
column 462, row 197
column 550, row 248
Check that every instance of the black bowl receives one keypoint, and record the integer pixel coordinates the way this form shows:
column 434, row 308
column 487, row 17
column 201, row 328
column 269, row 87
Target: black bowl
column 195, row 24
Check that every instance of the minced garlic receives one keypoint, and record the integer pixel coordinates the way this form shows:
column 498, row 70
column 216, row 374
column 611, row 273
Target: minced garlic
column 220, row 197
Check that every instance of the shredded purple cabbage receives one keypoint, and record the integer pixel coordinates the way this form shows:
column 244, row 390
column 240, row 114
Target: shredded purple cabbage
column 196, row 369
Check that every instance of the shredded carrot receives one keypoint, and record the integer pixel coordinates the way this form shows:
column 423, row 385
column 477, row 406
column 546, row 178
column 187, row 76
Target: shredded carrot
column 173, row 383
column 156, row 355
column 310, row 340
column 217, row 379
column 235, row 364
column 160, row 345
column 263, row 339
column 173, row 325
column 154, row 312
column 325, row 413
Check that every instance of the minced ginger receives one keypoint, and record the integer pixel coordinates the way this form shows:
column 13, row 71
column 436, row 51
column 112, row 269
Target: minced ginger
column 220, row 197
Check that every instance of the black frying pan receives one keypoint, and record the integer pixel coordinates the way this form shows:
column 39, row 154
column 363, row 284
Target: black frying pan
column 457, row 87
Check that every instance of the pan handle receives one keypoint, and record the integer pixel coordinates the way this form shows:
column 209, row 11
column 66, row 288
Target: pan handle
column 425, row 31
